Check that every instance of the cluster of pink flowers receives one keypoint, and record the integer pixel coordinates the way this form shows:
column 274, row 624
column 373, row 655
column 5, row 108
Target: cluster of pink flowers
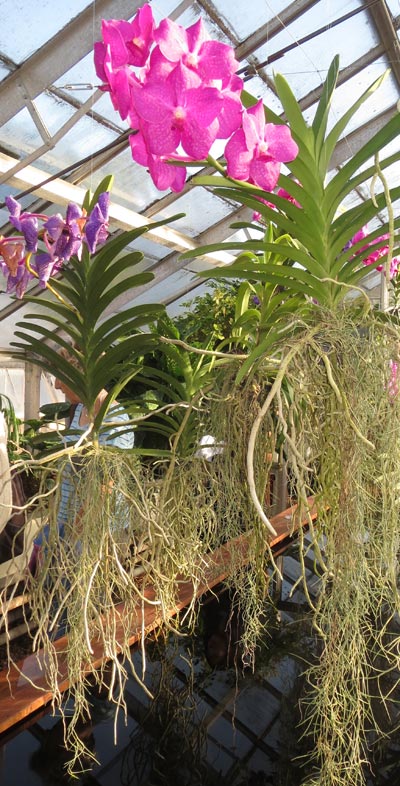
column 179, row 92
column 373, row 256
column 21, row 259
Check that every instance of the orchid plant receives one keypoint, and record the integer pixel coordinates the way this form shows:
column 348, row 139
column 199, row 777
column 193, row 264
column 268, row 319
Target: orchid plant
column 180, row 93
column 21, row 260
column 331, row 387
column 305, row 263
column 94, row 274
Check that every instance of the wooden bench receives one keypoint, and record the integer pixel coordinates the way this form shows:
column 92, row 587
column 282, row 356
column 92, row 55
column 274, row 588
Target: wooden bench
column 23, row 689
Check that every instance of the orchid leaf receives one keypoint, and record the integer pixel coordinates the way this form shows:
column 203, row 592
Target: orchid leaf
column 90, row 199
column 322, row 114
column 298, row 126
column 340, row 126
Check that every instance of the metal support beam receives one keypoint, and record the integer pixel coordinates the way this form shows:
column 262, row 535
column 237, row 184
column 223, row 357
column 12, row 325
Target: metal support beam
column 383, row 22
column 356, row 139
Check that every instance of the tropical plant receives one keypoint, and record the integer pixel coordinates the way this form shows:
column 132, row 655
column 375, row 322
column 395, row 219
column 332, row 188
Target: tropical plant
column 339, row 359
column 124, row 518
column 323, row 362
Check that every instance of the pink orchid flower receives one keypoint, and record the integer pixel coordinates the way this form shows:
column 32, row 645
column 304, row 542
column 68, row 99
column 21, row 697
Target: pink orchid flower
column 163, row 174
column 285, row 195
column 193, row 48
column 255, row 152
column 373, row 257
column 116, row 81
column 258, row 216
column 393, row 384
column 178, row 111
column 130, row 42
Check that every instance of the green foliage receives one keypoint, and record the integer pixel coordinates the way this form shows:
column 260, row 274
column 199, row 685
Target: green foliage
column 169, row 388
column 79, row 316
column 318, row 265
column 209, row 318
column 13, row 426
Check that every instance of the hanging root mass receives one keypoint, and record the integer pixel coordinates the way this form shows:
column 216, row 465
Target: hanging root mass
column 333, row 408
column 337, row 405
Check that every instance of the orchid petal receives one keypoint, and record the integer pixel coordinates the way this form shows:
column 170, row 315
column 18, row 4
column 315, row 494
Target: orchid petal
column 238, row 157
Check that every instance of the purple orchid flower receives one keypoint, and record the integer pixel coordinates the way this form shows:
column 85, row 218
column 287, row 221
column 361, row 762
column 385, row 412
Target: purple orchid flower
column 63, row 238
column 45, row 266
column 96, row 228
column 255, row 152
column 17, row 284
column 26, row 223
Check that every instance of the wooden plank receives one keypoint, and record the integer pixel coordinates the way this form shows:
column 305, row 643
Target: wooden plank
column 24, row 689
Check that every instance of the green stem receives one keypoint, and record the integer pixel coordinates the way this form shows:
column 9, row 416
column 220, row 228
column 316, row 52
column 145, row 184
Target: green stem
column 217, row 165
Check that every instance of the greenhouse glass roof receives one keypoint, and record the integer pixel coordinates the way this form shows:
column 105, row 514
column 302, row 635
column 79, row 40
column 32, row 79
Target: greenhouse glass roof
column 60, row 134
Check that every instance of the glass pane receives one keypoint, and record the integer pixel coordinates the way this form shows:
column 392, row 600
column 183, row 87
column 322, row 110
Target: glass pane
column 346, row 94
column 84, row 139
column 202, row 209
column 394, row 7
column 42, row 21
column 244, row 21
column 20, row 136
column 306, row 65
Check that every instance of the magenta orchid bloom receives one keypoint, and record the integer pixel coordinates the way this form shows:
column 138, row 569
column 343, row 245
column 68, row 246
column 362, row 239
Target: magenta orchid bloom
column 163, row 174
column 177, row 87
column 258, row 216
column 193, row 48
column 393, row 385
column 285, row 195
column 375, row 255
column 130, row 42
column 116, row 81
column 255, row 152
column 177, row 112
